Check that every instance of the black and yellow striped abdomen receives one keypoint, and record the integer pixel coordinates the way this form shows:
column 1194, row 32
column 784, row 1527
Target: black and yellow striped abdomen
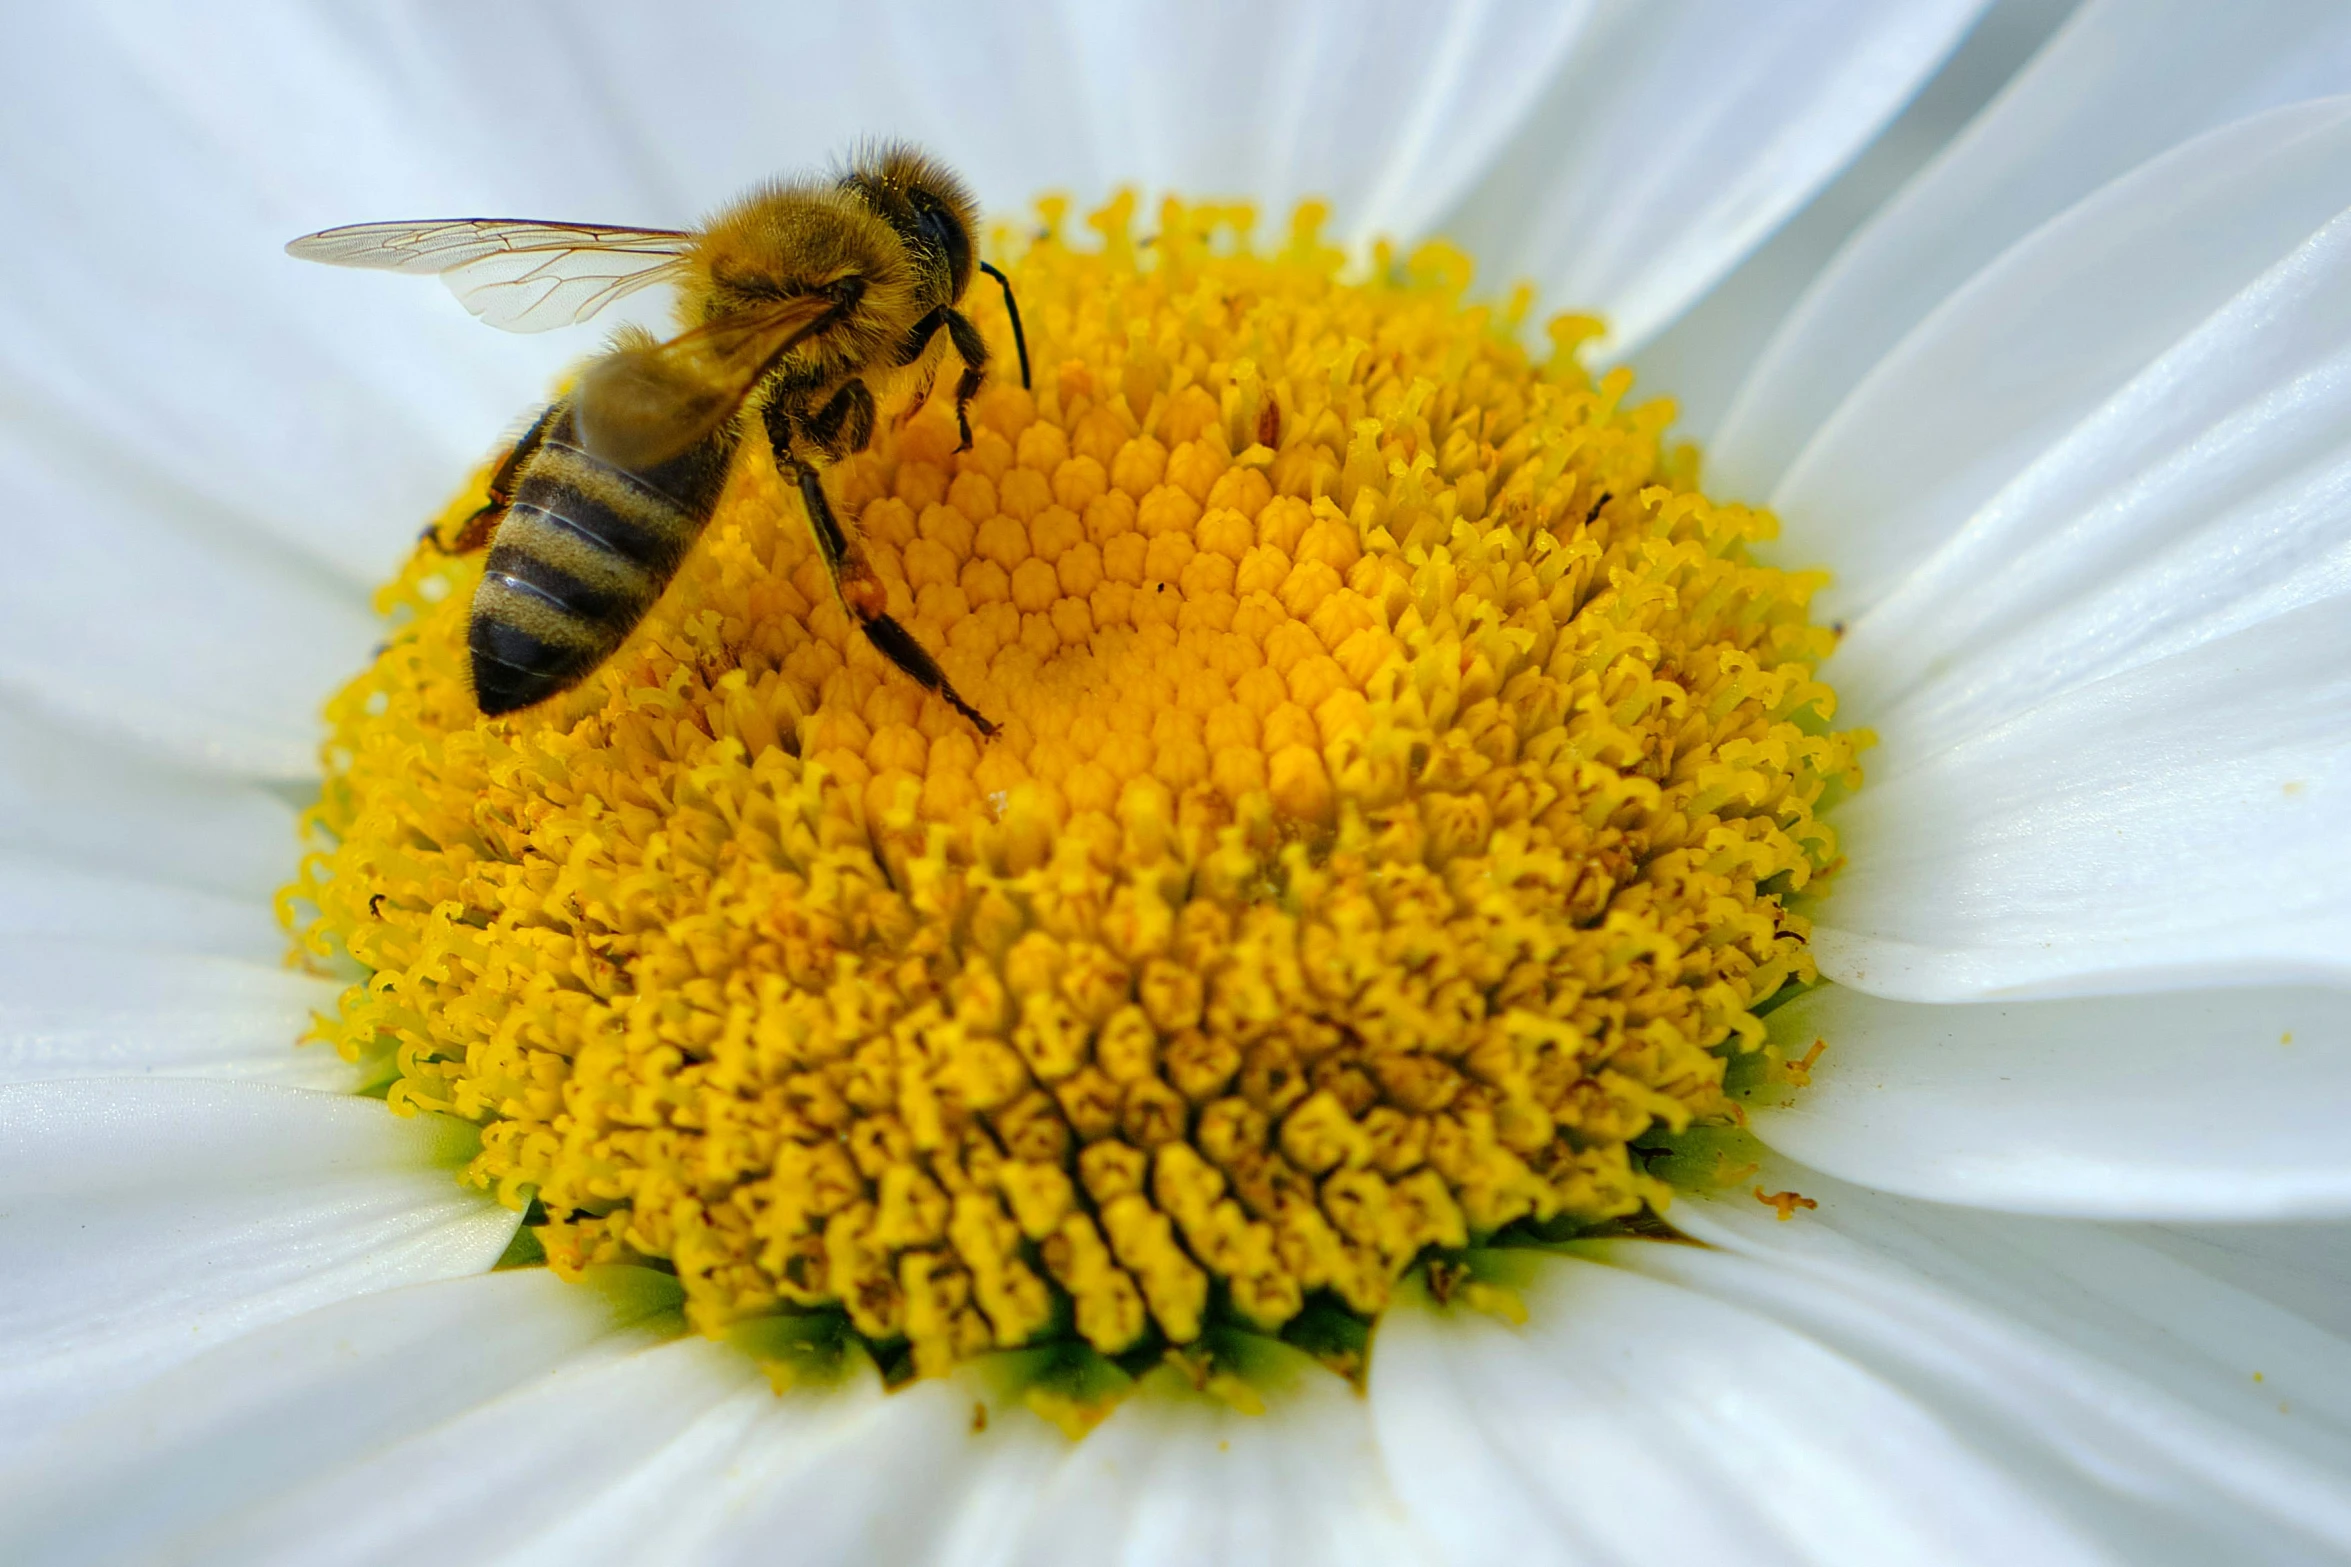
column 580, row 555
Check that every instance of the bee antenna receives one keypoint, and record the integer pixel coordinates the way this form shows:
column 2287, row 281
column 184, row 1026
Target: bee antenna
column 1020, row 339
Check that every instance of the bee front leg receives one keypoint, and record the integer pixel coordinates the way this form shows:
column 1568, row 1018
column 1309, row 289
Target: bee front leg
column 861, row 588
column 972, row 349
column 476, row 529
column 918, row 343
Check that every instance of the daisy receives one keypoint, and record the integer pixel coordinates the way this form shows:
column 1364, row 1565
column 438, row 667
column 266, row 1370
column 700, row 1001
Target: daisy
column 2028, row 1246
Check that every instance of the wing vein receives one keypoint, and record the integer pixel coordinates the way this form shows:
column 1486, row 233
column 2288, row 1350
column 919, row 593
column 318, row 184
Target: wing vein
column 495, row 265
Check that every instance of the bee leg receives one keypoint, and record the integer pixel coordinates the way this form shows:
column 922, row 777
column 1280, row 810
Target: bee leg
column 917, row 343
column 476, row 529
column 921, row 394
column 859, row 433
column 843, row 425
column 972, row 349
column 918, row 337
column 783, row 434
column 897, row 644
column 473, row 533
column 861, row 590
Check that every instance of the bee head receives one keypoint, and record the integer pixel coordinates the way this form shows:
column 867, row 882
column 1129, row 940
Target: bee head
column 932, row 210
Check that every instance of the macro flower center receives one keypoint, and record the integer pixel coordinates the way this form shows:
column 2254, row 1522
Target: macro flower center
column 1401, row 775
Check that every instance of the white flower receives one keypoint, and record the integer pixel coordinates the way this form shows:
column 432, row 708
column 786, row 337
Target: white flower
column 2069, row 414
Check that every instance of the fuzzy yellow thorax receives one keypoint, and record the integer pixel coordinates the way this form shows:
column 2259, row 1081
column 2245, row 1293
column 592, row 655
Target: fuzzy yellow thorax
column 1403, row 774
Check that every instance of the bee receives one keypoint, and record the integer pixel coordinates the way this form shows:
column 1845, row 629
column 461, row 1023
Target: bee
column 796, row 300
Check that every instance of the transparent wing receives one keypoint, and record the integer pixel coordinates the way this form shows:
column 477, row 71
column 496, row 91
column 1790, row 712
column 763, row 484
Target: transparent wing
column 516, row 273
column 638, row 407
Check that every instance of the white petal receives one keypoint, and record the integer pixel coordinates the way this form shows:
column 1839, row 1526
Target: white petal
column 1678, row 136
column 2304, row 1269
column 1169, row 1481
column 1632, row 1421
column 2037, row 342
column 90, row 1009
column 660, row 1504
column 2211, row 493
column 148, row 1220
column 182, row 635
column 216, row 381
column 2122, row 1382
column 2120, row 85
column 2203, row 1105
column 830, row 1473
column 1390, row 112
column 242, row 1423
column 704, row 117
column 488, row 1482
column 1703, row 358
column 67, row 799
column 43, row 898
column 825, row 1469
column 2185, row 822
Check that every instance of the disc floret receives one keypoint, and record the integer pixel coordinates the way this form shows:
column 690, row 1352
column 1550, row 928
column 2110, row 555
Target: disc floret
column 1403, row 775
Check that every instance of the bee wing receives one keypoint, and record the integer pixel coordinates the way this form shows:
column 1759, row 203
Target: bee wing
column 638, row 407
column 516, row 273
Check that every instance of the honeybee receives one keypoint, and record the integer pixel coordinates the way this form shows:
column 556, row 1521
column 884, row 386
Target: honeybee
column 799, row 296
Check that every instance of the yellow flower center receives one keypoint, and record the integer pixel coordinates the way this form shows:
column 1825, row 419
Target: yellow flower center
column 1401, row 776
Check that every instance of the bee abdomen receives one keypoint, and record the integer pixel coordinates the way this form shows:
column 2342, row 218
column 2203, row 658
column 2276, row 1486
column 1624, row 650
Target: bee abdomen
column 580, row 556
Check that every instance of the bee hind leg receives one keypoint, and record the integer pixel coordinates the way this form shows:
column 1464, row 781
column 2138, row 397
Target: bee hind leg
column 475, row 531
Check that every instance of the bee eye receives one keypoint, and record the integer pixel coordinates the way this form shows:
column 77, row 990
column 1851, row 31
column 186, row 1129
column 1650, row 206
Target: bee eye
column 943, row 232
